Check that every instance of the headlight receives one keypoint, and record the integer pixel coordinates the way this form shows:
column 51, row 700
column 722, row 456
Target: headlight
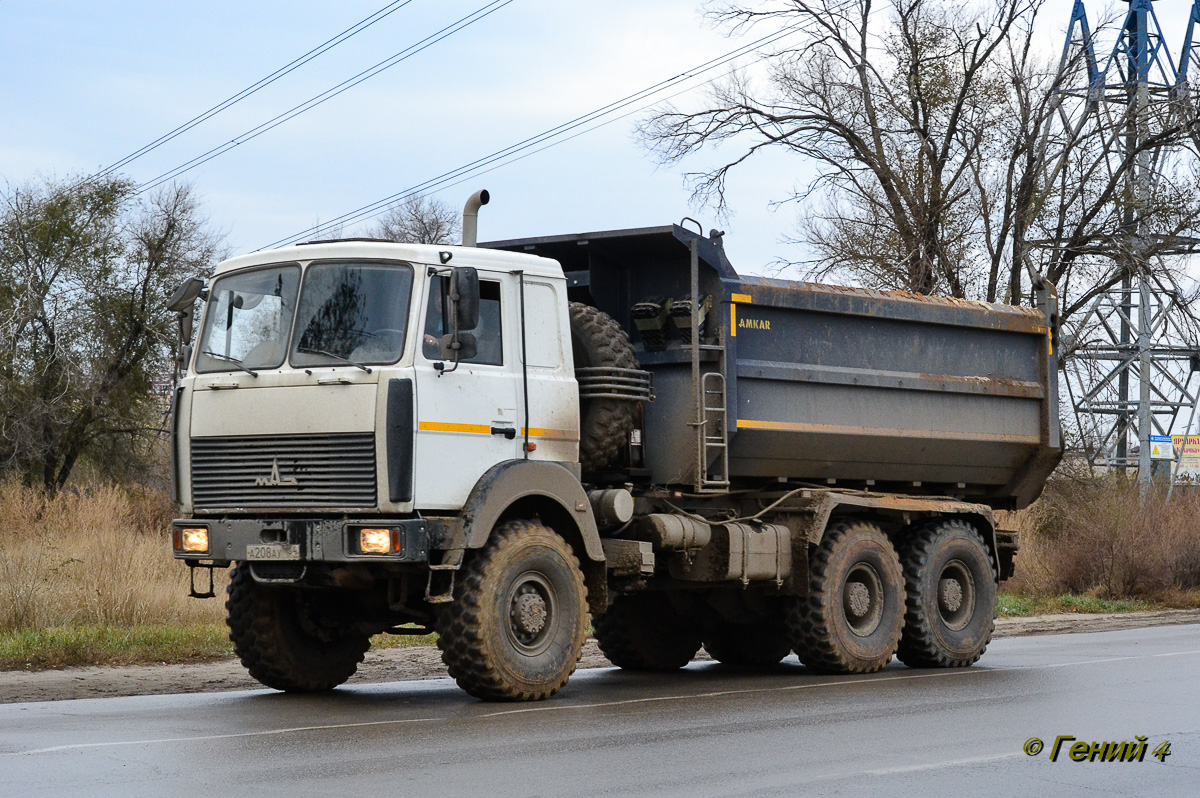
column 192, row 541
column 375, row 541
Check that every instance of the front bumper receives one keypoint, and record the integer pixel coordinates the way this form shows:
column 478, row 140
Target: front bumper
column 300, row 540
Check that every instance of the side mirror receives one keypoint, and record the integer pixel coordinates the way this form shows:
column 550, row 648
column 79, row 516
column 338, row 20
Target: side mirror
column 185, row 295
column 462, row 349
column 464, row 298
column 183, row 304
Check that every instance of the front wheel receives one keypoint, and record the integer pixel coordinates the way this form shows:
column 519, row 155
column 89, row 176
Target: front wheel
column 951, row 586
column 516, row 625
column 285, row 641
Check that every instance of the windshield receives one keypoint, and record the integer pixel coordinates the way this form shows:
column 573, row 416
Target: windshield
column 352, row 312
column 248, row 319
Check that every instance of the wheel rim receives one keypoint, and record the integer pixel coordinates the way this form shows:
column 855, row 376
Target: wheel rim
column 956, row 595
column 862, row 599
column 532, row 611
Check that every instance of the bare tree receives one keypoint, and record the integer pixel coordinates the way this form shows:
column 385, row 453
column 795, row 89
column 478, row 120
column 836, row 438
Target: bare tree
column 944, row 164
column 419, row 219
column 85, row 268
column 891, row 104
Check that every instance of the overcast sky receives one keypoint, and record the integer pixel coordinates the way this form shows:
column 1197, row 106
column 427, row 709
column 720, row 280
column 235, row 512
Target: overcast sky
column 83, row 84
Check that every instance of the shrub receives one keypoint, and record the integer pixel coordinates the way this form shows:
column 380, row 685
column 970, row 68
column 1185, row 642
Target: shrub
column 1101, row 537
column 93, row 556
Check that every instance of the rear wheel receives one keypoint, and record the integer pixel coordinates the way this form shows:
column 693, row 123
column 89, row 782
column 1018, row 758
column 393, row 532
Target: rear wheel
column 644, row 632
column 851, row 620
column 516, row 625
column 284, row 640
column 951, row 585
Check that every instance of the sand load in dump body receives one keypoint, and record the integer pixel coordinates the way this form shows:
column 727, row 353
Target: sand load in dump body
column 851, row 387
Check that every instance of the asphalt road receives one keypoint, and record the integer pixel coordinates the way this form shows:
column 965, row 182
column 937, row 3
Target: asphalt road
column 703, row 731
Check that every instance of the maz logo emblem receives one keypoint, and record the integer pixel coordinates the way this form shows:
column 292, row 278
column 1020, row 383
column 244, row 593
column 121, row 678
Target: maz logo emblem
column 275, row 480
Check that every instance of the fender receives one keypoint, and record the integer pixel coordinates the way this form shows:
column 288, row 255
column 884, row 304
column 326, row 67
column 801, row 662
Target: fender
column 903, row 506
column 513, row 480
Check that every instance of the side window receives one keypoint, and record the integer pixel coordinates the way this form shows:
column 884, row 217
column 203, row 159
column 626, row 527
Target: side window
column 490, row 342
column 543, row 338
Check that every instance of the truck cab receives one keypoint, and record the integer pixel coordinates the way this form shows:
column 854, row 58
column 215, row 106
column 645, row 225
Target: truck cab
column 319, row 380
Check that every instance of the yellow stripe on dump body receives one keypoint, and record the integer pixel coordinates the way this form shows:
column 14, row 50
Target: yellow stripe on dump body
column 742, row 298
column 845, row 429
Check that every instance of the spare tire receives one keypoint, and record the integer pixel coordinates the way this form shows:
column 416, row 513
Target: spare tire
column 604, row 424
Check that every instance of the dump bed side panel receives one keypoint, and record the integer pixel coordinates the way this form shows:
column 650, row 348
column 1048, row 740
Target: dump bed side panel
column 914, row 394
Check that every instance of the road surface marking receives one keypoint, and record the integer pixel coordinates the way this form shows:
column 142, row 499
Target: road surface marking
column 596, row 705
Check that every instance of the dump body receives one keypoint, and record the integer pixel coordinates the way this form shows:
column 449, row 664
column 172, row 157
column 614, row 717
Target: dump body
column 895, row 391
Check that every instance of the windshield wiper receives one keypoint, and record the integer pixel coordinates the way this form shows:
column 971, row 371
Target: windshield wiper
column 347, row 360
column 232, row 360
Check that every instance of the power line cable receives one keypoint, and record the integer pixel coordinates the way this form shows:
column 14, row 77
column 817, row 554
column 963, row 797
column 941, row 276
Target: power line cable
column 451, row 29
column 324, row 47
column 480, row 165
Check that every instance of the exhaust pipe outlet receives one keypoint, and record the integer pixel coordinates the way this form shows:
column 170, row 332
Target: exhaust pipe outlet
column 470, row 220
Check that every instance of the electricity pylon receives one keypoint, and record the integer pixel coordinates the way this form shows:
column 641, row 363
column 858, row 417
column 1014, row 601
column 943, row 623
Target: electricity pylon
column 1134, row 356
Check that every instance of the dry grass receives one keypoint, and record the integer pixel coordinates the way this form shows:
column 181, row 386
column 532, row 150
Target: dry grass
column 1098, row 537
column 98, row 557
column 87, row 578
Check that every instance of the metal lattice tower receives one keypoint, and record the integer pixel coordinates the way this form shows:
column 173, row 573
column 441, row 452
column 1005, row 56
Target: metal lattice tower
column 1134, row 366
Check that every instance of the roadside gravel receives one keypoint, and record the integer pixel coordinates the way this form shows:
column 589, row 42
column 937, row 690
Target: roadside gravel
column 424, row 662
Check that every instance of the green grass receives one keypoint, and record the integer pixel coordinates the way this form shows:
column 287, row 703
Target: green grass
column 1013, row 605
column 64, row 646
column 69, row 646
column 402, row 641
column 1090, row 604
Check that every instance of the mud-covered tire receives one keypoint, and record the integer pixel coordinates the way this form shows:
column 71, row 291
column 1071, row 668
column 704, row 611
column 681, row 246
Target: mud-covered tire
column 950, row 581
column 754, row 645
column 604, row 424
column 275, row 636
column 517, row 622
column 852, row 618
column 644, row 632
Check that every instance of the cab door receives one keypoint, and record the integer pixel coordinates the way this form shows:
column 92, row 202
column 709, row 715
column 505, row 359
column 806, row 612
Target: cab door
column 467, row 418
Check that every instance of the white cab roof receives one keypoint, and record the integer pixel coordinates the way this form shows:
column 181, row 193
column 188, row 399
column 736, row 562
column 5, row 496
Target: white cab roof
column 488, row 259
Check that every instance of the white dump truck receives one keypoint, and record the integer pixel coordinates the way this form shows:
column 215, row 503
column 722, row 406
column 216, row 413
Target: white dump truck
column 490, row 442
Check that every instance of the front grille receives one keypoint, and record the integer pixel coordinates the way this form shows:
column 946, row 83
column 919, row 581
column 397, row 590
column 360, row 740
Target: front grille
column 331, row 470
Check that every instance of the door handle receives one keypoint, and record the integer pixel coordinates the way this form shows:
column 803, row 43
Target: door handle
column 507, row 432
column 337, row 380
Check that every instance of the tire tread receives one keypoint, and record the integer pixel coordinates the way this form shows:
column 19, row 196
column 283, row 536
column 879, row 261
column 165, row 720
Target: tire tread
column 918, row 646
column 468, row 651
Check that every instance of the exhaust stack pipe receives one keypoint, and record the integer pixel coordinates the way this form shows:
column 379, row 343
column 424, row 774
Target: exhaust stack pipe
column 470, row 220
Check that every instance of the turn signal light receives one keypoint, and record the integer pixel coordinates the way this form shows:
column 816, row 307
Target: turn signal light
column 193, row 541
column 375, row 541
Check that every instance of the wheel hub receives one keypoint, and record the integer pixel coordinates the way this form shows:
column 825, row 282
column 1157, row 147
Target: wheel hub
column 858, row 599
column 956, row 595
column 862, row 599
column 529, row 613
column 532, row 611
column 950, row 594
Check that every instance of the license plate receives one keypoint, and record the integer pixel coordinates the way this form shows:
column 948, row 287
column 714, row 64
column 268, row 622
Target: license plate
column 273, row 551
